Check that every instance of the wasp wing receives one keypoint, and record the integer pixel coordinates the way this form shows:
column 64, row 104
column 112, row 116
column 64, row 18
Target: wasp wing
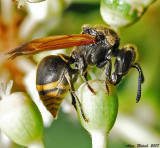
column 51, row 43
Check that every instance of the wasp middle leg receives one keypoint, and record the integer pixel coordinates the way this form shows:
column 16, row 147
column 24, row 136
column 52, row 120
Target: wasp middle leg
column 107, row 71
column 82, row 66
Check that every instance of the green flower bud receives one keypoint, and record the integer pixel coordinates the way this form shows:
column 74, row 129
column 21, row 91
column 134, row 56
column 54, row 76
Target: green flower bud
column 119, row 13
column 20, row 118
column 100, row 110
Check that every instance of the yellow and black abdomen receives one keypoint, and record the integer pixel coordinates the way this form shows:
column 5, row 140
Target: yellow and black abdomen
column 51, row 82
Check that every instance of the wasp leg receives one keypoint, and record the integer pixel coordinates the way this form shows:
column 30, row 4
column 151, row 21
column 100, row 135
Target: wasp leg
column 115, row 78
column 89, row 87
column 73, row 101
column 83, row 73
column 74, row 79
column 74, row 96
column 140, row 80
column 89, row 71
column 118, row 73
column 107, row 72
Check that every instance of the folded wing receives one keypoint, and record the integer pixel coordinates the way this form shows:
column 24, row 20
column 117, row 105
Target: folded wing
column 51, row 43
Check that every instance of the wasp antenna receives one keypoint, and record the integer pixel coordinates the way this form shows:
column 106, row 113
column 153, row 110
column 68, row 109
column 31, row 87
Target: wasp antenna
column 140, row 80
column 140, row 69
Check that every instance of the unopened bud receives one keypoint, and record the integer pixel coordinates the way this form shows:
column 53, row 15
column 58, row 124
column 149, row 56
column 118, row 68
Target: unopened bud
column 100, row 110
column 119, row 13
column 20, row 118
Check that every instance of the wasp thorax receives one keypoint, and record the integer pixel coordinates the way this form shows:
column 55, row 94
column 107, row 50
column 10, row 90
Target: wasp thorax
column 110, row 36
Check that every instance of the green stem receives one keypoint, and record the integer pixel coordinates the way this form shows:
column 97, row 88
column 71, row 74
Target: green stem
column 99, row 139
column 37, row 144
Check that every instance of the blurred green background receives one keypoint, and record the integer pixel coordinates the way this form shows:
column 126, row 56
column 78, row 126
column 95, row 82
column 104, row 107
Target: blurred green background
column 142, row 118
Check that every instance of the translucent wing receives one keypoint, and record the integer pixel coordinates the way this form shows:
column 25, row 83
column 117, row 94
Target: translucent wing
column 51, row 43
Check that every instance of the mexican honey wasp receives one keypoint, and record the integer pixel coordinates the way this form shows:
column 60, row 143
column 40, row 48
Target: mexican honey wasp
column 94, row 46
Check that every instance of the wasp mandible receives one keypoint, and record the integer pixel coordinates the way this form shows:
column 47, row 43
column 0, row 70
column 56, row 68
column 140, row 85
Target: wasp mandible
column 95, row 46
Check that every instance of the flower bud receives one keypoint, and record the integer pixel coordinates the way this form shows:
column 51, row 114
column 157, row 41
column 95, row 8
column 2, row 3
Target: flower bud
column 20, row 118
column 100, row 110
column 119, row 13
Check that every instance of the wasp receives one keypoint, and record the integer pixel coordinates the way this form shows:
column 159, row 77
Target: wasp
column 94, row 46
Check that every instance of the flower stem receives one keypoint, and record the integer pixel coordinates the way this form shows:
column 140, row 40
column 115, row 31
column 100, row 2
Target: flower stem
column 37, row 144
column 99, row 139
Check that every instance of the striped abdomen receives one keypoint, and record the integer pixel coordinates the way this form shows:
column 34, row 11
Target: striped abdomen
column 52, row 84
column 52, row 95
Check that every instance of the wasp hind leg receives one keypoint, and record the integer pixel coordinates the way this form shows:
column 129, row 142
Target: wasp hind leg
column 74, row 96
